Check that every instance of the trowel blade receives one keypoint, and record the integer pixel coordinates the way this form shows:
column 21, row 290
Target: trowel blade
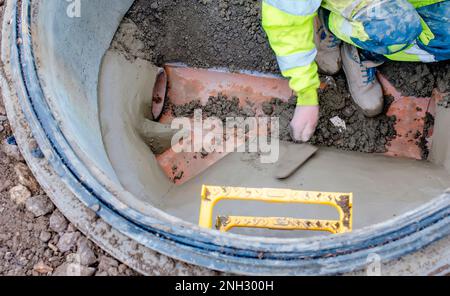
column 293, row 156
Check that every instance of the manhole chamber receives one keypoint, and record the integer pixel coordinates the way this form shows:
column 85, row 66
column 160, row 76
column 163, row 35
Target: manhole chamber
column 61, row 89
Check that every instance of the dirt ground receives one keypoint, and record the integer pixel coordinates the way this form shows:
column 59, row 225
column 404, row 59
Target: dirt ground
column 35, row 238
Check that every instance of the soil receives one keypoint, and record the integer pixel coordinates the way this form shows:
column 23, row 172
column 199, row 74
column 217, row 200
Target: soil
column 219, row 106
column 224, row 33
column 421, row 79
column 28, row 243
column 362, row 134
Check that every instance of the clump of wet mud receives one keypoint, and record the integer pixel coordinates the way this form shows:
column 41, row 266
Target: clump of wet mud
column 418, row 79
column 219, row 106
column 423, row 138
column 362, row 134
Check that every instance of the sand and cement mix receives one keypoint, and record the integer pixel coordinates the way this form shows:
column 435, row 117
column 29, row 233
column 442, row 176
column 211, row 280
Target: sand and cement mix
column 361, row 134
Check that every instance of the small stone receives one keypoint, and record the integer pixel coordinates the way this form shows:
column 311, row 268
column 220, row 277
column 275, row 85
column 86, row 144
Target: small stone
column 122, row 268
column 58, row 222
column 71, row 228
column 53, row 247
column 25, row 177
column 5, row 185
column 154, row 5
column 113, row 271
column 45, row 236
column 11, row 149
column 8, row 256
column 67, row 241
column 106, row 262
column 39, row 205
column 87, row 256
column 42, row 268
column 73, row 269
column 19, row 194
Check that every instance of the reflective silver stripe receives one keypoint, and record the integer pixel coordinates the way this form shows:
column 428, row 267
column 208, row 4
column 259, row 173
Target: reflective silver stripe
column 296, row 60
column 296, row 7
column 347, row 28
column 423, row 55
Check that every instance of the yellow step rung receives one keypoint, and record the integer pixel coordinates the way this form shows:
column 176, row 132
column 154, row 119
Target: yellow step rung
column 211, row 195
column 226, row 223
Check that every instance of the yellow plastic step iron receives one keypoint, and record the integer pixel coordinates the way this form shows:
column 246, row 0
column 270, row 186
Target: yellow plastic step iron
column 211, row 195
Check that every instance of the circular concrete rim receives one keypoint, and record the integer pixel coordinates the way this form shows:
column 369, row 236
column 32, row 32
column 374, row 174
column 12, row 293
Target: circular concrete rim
column 186, row 242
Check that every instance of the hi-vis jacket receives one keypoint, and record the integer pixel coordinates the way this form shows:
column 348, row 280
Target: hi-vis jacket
column 289, row 25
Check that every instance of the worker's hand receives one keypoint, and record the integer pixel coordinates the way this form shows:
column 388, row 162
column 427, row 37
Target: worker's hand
column 304, row 123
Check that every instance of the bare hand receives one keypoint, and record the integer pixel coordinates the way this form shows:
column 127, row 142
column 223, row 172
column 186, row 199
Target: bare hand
column 305, row 122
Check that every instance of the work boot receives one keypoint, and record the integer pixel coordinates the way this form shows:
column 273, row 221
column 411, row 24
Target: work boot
column 362, row 81
column 328, row 48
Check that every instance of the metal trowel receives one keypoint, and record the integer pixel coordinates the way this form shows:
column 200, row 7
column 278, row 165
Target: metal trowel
column 292, row 157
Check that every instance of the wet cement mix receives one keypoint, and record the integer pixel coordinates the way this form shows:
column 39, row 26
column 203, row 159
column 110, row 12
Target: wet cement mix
column 228, row 33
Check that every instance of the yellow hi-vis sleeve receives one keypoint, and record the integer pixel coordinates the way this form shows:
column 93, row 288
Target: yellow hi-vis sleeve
column 289, row 25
